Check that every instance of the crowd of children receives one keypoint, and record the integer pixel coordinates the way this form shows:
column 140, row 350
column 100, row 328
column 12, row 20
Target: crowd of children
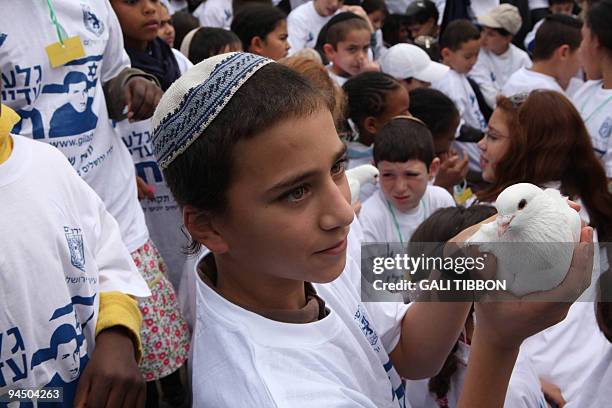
column 178, row 228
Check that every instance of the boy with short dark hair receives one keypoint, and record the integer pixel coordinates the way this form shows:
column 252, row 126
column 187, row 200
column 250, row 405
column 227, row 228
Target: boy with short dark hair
column 278, row 305
column 459, row 47
column 498, row 57
column 556, row 59
column 404, row 156
column 346, row 40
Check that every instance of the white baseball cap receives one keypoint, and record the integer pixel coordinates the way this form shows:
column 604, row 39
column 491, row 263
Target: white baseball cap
column 403, row 61
column 504, row 16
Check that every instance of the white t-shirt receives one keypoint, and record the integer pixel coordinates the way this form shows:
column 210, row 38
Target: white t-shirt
column 492, row 71
column 566, row 353
column 596, row 391
column 526, row 80
column 162, row 214
column 378, row 222
column 303, row 26
column 65, row 106
column 595, row 106
column 530, row 37
column 215, row 13
column 482, row 7
column 537, row 4
column 60, row 249
column 339, row 361
column 523, row 389
column 183, row 62
column 457, row 87
column 336, row 78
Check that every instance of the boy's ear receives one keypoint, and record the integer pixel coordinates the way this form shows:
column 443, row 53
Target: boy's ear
column 369, row 124
column 445, row 53
column 202, row 230
column 434, row 167
column 329, row 51
column 256, row 45
column 563, row 51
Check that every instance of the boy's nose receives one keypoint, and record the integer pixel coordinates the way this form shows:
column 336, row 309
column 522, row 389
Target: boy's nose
column 337, row 211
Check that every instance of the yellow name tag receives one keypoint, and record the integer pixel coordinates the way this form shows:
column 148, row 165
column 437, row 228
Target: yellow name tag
column 60, row 55
column 462, row 196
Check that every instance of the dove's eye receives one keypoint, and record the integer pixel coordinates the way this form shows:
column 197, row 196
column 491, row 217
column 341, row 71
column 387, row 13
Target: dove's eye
column 522, row 204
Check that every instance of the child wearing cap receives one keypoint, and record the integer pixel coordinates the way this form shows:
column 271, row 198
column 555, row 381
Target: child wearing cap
column 498, row 57
column 305, row 21
column 459, row 47
column 278, row 308
column 411, row 66
column 556, row 59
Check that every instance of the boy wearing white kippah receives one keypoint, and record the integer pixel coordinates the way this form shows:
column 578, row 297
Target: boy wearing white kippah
column 278, row 306
column 498, row 57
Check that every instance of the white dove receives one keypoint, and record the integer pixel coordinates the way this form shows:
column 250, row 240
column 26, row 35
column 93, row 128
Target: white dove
column 359, row 176
column 541, row 231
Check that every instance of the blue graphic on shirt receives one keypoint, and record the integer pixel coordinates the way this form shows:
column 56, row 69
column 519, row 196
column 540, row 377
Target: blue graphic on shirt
column 397, row 386
column 75, row 116
column 228, row 14
column 364, row 325
column 493, row 76
column 91, row 21
column 74, row 237
column 38, row 129
column 310, row 37
column 66, row 353
column 606, row 128
column 2, row 38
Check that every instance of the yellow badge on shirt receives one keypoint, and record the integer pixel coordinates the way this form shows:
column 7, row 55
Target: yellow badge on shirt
column 464, row 195
column 71, row 50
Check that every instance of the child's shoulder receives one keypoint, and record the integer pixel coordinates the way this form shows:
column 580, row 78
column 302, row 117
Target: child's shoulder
column 43, row 153
column 587, row 89
column 374, row 206
column 439, row 196
column 302, row 11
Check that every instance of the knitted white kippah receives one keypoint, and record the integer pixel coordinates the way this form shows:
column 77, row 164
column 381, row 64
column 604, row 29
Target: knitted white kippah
column 195, row 99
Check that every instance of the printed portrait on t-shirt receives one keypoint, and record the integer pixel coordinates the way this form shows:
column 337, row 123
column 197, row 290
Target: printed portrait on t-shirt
column 75, row 116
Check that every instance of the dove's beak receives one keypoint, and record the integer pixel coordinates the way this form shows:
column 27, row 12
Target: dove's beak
column 503, row 223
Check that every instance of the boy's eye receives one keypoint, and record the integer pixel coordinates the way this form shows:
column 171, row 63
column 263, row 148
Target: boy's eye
column 339, row 167
column 297, row 194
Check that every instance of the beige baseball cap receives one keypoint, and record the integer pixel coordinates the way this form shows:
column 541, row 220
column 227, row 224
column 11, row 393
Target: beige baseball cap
column 404, row 61
column 504, row 16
